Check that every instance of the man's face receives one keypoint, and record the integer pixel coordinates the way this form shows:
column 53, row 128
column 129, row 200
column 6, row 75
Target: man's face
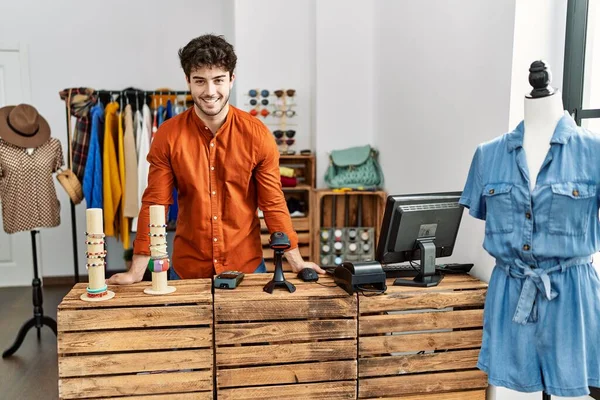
column 210, row 88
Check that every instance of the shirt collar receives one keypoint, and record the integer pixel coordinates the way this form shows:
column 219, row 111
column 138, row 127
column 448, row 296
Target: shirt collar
column 565, row 128
column 202, row 126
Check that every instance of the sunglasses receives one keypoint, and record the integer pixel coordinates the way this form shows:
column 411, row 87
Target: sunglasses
column 279, row 133
column 264, row 112
column 254, row 93
column 281, row 113
column 289, row 92
column 289, row 142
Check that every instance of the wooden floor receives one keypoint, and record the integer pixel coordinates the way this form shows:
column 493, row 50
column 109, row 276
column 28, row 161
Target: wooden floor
column 32, row 372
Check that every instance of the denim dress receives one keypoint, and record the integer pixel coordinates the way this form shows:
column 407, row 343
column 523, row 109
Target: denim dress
column 542, row 311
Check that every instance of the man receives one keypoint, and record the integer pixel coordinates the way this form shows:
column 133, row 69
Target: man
column 225, row 164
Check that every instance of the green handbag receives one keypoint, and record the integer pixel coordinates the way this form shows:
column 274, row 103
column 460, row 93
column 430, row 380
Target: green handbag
column 355, row 168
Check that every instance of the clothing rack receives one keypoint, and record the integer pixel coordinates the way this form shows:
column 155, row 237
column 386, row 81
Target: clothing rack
column 106, row 96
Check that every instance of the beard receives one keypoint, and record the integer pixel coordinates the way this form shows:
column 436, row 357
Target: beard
column 211, row 112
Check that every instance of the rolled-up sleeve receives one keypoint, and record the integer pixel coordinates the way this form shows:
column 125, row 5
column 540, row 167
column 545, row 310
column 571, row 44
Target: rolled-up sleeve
column 472, row 193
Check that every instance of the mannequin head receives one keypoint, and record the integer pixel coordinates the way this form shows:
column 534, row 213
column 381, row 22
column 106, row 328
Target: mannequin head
column 540, row 77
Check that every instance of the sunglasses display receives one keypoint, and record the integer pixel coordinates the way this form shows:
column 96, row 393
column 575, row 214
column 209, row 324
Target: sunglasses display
column 287, row 142
column 289, row 133
column 287, row 113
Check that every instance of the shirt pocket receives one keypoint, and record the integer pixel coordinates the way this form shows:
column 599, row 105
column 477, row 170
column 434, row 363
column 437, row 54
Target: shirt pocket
column 499, row 208
column 571, row 208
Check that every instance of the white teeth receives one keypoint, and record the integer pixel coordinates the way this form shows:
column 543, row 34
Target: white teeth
column 211, row 100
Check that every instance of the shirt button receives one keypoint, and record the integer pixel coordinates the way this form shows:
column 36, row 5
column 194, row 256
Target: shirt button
column 575, row 192
column 206, row 127
column 214, row 192
column 216, row 261
column 215, row 239
column 528, row 215
column 215, row 217
column 212, row 168
column 525, row 247
column 212, row 145
column 492, row 191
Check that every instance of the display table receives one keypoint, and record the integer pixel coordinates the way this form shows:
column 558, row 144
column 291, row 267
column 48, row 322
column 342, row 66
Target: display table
column 299, row 345
column 422, row 343
column 316, row 343
column 137, row 344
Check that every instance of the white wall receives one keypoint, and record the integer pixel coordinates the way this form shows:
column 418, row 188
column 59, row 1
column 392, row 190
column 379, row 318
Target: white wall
column 442, row 87
column 345, row 78
column 104, row 45
column 274, row 42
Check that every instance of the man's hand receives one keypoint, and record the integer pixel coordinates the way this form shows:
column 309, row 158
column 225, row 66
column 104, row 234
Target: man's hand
column 298, row 264
column 135, row 274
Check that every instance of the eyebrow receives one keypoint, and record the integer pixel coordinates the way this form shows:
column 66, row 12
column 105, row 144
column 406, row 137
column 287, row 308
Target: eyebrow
column 216, row 77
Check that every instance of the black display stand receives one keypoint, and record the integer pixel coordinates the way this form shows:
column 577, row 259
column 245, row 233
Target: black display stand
column 39, row 319
column 279, row 242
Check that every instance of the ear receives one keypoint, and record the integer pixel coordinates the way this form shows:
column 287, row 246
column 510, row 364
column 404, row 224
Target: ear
column 231, row 80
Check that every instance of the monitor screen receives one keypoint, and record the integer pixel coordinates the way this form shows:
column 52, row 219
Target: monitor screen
column 411, row 220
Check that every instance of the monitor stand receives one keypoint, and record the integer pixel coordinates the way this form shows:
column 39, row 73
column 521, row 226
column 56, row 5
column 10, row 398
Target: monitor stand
column 427, row 276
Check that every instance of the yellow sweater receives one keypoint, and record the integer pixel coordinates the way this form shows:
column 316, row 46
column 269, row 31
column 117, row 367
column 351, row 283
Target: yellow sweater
column 110, row 172
column 124, row 221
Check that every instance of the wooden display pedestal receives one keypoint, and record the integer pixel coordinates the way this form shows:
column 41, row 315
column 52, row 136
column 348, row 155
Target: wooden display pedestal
column 422, row 343
column 299, row 345
column 150, row 347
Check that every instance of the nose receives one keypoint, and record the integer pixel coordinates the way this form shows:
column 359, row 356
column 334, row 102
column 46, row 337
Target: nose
column 211, row 89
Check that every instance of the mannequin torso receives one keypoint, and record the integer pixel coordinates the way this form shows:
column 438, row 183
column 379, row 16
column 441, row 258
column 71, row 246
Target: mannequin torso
column 541, row 117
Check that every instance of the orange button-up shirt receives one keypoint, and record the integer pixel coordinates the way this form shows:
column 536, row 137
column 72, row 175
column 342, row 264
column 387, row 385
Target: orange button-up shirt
column 221, row 180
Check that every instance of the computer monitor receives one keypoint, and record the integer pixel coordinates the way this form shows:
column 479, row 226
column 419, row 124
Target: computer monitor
column 419, row 227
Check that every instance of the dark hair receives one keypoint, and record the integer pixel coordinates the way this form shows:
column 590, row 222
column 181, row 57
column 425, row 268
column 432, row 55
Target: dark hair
column 207, row 51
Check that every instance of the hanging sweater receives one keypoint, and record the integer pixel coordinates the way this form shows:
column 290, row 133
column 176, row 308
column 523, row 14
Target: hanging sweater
column 92, row 178
column 130, row 196
column 111, row 179
column 144, row 148
column 123, row 221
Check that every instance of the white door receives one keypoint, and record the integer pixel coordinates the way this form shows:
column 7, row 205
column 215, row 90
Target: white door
column 16, row 259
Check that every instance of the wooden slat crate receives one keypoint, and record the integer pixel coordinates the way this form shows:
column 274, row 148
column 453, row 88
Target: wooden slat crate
column 422, row 343
column 299, row 345
column 137, row 346
column 372, row 206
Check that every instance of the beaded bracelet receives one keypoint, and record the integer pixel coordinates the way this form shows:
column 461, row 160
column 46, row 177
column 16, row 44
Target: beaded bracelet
column 157, row 226
column 96, row 255
column 158, row 234
column 90, row 242
column 102, row 289
column 158, row 265
column 95, row 235
column 95, row 265
column 95, row 295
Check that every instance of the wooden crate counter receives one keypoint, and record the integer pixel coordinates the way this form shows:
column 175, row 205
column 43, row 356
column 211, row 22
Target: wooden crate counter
column 422, row 343
column 150, row 347
column 299, row 345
